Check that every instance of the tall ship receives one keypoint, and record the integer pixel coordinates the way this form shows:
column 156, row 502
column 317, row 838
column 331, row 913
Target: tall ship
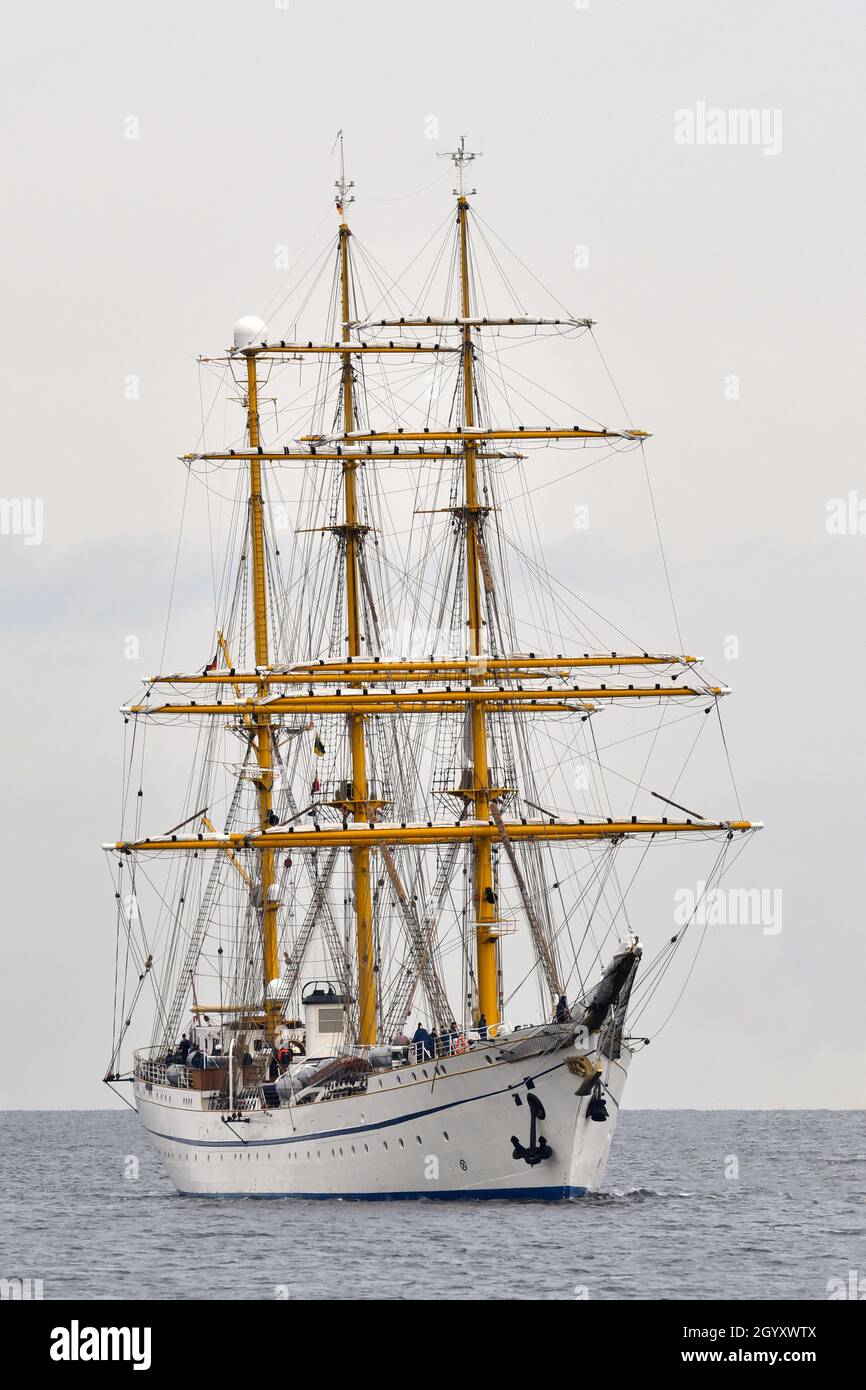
column 389, row 945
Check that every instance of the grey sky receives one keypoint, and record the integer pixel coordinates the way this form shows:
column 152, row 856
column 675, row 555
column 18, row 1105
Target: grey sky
column 127, row 257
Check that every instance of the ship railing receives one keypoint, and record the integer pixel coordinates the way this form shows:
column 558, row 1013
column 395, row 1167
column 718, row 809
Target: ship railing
column 456, row 1044
column 250, row 1098
column 160, row 1072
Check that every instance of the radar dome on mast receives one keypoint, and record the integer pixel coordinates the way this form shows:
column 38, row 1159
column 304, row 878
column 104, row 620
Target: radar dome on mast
column 250, row 330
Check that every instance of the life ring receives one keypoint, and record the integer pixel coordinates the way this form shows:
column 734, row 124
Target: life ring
column 460, row 1044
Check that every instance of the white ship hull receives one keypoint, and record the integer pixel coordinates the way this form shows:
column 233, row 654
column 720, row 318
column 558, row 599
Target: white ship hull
column 409, row 1135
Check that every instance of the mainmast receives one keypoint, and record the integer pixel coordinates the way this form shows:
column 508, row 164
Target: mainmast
column 483, row 896
column 353, row 534
column 262, row 734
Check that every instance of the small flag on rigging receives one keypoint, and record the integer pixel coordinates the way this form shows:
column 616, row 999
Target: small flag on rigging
column 318, row 747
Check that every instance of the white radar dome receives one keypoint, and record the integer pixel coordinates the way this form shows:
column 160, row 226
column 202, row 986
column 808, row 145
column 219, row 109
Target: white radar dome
column 250, row 330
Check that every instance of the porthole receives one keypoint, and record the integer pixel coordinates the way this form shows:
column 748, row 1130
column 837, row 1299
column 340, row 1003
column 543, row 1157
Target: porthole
column 446, row 1136
column 384, row 1143
column 418, row 1137
column 400, row 1142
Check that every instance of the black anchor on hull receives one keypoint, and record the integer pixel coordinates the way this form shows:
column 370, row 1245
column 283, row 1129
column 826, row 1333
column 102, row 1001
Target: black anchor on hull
column 538, row 1148
column 596, row 1108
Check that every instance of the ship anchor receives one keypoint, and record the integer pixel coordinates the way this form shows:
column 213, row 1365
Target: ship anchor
column 538, row 1148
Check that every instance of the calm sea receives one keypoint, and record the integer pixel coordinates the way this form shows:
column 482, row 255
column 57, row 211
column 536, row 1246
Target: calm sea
column 697, row 1204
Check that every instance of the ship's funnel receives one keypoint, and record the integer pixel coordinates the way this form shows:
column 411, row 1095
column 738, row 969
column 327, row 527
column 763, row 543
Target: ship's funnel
column 250, row 331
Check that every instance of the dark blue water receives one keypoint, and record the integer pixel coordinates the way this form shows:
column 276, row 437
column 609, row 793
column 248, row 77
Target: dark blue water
column 697, row 1204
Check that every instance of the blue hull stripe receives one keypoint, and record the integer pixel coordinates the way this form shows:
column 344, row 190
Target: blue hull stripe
column 481, row 1194
column 352, row 1129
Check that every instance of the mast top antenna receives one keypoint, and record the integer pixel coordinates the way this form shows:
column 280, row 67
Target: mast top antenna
column 340, row 184
column 461, row 158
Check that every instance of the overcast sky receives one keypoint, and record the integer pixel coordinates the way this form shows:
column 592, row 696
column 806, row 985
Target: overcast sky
column 727, row 279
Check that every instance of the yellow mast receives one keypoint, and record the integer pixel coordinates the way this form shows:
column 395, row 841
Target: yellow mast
column 353, row 534
column 483, row 899
column 264, row 753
